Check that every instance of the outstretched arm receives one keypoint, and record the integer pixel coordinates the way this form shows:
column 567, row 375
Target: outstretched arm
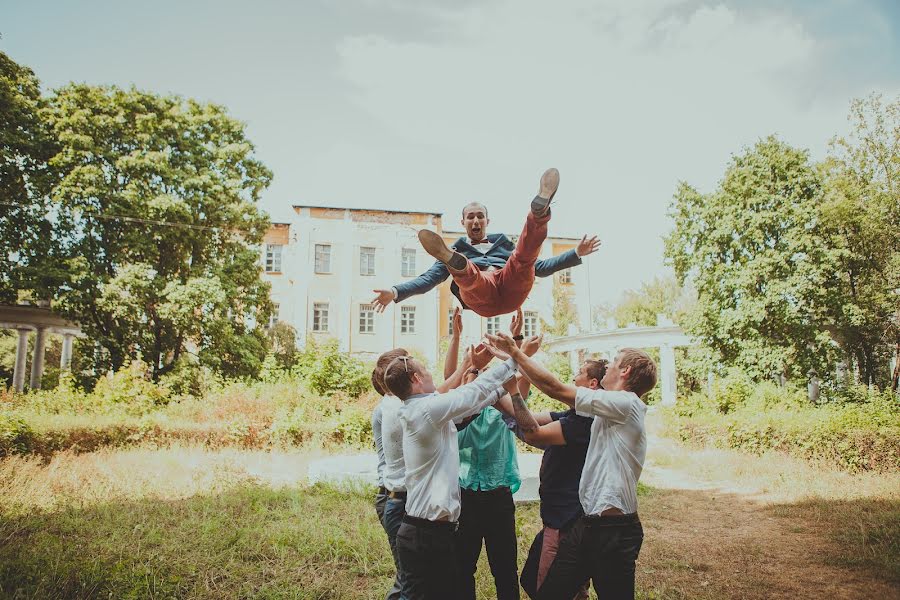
column 453, row 349
column 421, row 284
column 540, row 377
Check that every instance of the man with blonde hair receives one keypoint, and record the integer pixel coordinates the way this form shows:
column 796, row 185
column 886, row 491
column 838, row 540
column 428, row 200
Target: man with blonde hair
column 605, row 542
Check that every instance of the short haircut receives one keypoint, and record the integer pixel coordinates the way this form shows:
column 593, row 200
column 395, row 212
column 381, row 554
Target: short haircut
column 381, row 364
column 596, row 368
column 470, row 205
column 376, row 382
column 398, row 376
column 642, row 377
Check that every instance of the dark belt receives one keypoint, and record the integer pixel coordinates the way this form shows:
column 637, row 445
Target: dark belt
column 615, row 519
column 382, row 490
column 451, row 525
column 397, row 495
column 499, row 490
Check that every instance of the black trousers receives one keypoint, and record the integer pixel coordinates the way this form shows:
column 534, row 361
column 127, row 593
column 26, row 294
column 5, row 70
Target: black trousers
column 427, row 551
column 602, row 549
column 489, row 516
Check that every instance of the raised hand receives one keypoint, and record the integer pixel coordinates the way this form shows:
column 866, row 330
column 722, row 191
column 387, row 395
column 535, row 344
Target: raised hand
column 587, row 246
column 497, row 353
column 481, row 356
column 502, row 342
column 532, row 344
column 382, row 300
column 515, row 327
column 457, row 322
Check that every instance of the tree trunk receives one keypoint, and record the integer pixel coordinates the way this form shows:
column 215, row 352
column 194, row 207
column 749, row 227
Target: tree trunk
column 895, row 378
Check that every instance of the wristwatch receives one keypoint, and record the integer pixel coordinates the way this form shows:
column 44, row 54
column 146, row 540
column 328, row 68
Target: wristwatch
column 518, row 338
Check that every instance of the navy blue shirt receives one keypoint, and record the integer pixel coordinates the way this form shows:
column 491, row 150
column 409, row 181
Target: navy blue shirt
column 561, row 470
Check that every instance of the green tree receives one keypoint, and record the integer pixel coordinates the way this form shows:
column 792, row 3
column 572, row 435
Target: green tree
column 156, row 212
column 25, row 147
column 861, row 217
column 754, row 251
column 564, row 313
column 283, row 343
column 660, row 296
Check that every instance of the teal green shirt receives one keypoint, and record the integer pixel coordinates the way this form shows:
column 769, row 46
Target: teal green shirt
column 487, row 454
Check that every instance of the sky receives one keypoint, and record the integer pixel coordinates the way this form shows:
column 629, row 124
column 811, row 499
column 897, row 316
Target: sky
column 430, row 104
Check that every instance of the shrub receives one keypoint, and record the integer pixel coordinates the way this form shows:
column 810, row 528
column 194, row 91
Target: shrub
column 16, row 436
column 860, row 435
column 327, row 370
column 732, row 391
column 131, row 387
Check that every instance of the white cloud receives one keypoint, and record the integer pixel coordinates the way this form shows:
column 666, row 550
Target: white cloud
column 624, row 100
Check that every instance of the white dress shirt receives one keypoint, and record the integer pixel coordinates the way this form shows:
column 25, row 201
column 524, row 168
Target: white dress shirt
column 615, row 455
column 392, row 442
column 376, row 435
column 430, row 446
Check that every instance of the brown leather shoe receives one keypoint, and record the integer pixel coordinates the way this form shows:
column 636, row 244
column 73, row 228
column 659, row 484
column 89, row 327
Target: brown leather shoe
column 435, row 246
column 540, row 206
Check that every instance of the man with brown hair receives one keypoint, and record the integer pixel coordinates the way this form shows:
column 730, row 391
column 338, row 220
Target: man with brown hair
column 390, row 503
column 426, row 539
column 606, row 541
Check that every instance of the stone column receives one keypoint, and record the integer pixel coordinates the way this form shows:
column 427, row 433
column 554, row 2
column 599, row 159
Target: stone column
column 65, row 360
column 573, row 361
column 812, row 388
column 667, row 375
column 21, row 360
column 37, row 359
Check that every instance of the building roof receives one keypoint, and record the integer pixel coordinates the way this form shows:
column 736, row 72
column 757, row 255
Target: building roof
column 375, row 209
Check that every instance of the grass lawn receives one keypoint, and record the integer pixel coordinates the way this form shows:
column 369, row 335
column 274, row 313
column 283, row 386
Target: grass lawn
column 198, row 523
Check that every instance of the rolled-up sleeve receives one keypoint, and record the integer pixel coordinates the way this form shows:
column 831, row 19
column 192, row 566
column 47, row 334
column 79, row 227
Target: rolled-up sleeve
column 613, row 406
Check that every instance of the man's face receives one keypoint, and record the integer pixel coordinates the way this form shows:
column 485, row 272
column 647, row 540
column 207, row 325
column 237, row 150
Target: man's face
column 423, row 377
column 582, row 379
column 615, row 378
column 475, row 221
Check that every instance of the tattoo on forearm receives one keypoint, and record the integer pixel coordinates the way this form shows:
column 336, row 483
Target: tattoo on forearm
column 524, row 418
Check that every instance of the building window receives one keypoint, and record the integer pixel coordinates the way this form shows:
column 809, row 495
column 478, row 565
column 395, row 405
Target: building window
column 407, row 319
column 408, row 262
column 320, row 316
column 273, row 258
column 529, row 323
column 492, row 325
column 367, row 318
column 366, row 260
column 323, row 258
column 273, row 318
column 565, row 276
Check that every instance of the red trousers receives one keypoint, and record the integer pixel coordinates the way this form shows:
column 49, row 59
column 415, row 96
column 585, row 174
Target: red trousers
column 491, row 293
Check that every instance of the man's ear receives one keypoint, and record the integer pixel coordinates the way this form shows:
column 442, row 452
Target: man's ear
column 626, row 373
column 596, row 384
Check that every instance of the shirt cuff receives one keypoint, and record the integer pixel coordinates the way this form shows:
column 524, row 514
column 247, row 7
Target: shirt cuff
column 394, row 290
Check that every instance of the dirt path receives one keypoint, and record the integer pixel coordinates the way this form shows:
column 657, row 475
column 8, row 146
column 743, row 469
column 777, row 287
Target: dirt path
column 742, row 529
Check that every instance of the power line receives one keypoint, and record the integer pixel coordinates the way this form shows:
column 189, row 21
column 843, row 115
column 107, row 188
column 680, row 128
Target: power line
column 139, row 220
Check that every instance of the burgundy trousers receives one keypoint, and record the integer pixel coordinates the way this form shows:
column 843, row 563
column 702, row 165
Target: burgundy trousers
column 492, row 293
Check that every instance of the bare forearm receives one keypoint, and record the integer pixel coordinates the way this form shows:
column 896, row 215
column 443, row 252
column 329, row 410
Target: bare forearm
column 544, row 380
column 454, row 381
column 452, row 359
column 524, row 418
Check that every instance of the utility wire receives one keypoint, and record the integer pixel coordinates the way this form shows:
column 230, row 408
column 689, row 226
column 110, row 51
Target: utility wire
column 138, row 220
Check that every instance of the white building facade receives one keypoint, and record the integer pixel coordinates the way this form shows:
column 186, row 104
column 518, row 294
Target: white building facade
column 324, row 264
